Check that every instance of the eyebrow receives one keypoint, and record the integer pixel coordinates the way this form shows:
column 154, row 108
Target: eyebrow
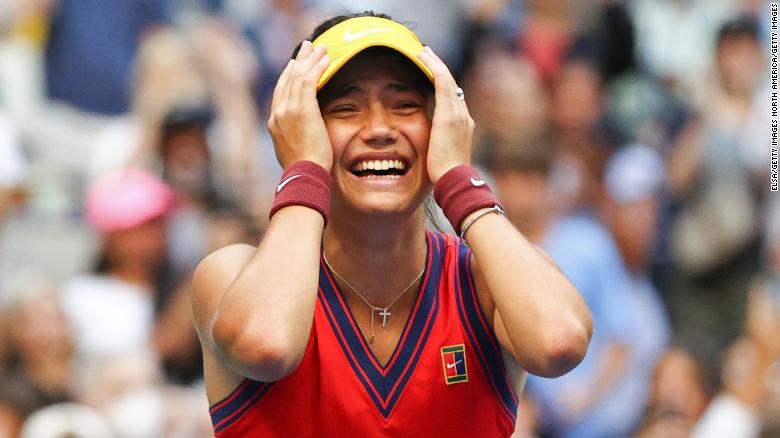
column 354, row 88
column 397, row 86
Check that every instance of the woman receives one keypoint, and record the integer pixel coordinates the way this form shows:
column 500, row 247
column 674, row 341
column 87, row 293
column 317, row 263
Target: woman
column 373, row 326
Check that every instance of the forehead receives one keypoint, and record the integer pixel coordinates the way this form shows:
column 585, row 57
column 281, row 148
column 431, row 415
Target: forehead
column 377, row 65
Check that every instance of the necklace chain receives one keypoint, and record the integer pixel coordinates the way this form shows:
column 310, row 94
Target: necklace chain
column 384, row 313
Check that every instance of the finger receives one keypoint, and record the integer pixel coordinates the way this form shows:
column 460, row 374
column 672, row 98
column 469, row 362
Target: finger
column 307, row 72
column 459, row 103
column 282, row 85
column 306, row 64
column 442, row 78
column 315, row 73
column 448, row 104
column 304, row 51
column 443, row 82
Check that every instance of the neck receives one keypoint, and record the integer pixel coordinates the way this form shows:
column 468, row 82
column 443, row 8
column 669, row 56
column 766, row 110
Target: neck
column 377, row 256
column 139, row 274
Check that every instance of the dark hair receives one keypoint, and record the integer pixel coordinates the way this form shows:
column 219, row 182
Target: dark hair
column 744, row 26
column 536, row 155
column 330, row 22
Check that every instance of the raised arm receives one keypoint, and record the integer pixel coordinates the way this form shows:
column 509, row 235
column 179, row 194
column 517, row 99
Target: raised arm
column 253, row 308
column 538, row 314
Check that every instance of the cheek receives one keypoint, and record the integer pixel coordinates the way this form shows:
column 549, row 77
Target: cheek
column 339, row 135
column 419, row 136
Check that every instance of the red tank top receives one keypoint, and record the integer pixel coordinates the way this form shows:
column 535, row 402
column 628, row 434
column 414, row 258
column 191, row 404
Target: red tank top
column 446, row 376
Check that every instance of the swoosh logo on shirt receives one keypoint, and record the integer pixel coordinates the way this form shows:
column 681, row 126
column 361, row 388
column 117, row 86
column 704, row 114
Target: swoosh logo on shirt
column 452, row 365
column 284, row 183
column 349, row 36
column 477, row 182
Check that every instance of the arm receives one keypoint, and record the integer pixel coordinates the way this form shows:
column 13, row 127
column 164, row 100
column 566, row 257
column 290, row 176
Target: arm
column 253, row 308
column 259, row 321
column 539, row 315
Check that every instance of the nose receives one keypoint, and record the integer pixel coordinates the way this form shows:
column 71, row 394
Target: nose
column 379, row 129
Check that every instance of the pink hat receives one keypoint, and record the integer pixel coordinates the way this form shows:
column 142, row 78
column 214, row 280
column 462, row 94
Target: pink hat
column 125, row 199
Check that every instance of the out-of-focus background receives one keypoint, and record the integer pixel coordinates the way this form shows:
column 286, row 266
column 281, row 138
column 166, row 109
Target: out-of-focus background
column 628, row 138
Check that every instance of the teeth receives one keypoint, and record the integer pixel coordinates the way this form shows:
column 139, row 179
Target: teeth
column 382, row 176
column 380, row 165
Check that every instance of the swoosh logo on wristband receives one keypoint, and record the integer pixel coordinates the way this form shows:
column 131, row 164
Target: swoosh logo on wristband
column 284, row 183
column 477, row 182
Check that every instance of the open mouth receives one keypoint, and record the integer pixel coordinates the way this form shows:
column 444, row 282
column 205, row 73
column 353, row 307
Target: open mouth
column 388, row 169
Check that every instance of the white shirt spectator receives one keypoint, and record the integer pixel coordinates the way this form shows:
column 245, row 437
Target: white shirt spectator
column 108, row 315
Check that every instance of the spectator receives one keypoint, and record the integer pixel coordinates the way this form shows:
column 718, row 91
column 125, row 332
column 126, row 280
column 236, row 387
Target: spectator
column 634, row 177
column 204, row 85
column 96, row 40
column 113, row 310
column 40, row 350
column 749, row 402
column 678, row 396
column 42, row 354
column 581, row 133
column 715, row 232
column 507, row 101
column 674, row 40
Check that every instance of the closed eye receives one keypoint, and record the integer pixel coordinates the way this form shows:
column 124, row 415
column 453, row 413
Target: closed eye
column 343, row 111
column 343, row 108
column 407, row 106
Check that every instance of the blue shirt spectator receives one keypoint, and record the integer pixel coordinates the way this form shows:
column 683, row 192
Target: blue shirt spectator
column 91, row 49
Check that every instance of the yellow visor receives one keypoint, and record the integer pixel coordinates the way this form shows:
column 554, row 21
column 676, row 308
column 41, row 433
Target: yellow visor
column 350, row 37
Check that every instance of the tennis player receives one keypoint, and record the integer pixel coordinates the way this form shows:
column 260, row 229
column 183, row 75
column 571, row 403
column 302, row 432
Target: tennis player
column 350, row 318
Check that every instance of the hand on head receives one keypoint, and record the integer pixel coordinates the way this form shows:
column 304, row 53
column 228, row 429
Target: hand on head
column 453, row 127
column 296, row 124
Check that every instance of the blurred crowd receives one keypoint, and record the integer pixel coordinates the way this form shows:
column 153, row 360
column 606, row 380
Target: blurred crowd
column 627, row 138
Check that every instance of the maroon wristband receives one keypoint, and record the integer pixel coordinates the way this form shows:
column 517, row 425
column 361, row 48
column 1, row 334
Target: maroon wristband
column 304, row 183
column 460, row 192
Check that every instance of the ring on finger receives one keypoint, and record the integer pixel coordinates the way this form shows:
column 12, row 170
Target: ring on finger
column 460, row 94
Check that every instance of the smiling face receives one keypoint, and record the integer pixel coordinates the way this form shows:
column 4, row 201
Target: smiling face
column 376, row 111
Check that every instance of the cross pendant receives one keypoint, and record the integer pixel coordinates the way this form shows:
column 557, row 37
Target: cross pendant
column 384, row 314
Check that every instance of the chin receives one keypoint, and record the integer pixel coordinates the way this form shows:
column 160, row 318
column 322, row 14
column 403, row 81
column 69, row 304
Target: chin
column 386, row 204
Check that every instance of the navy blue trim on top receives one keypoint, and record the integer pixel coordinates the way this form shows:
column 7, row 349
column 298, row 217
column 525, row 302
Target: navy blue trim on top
column 234, row 406
column 385, row 383
column 481, row 334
